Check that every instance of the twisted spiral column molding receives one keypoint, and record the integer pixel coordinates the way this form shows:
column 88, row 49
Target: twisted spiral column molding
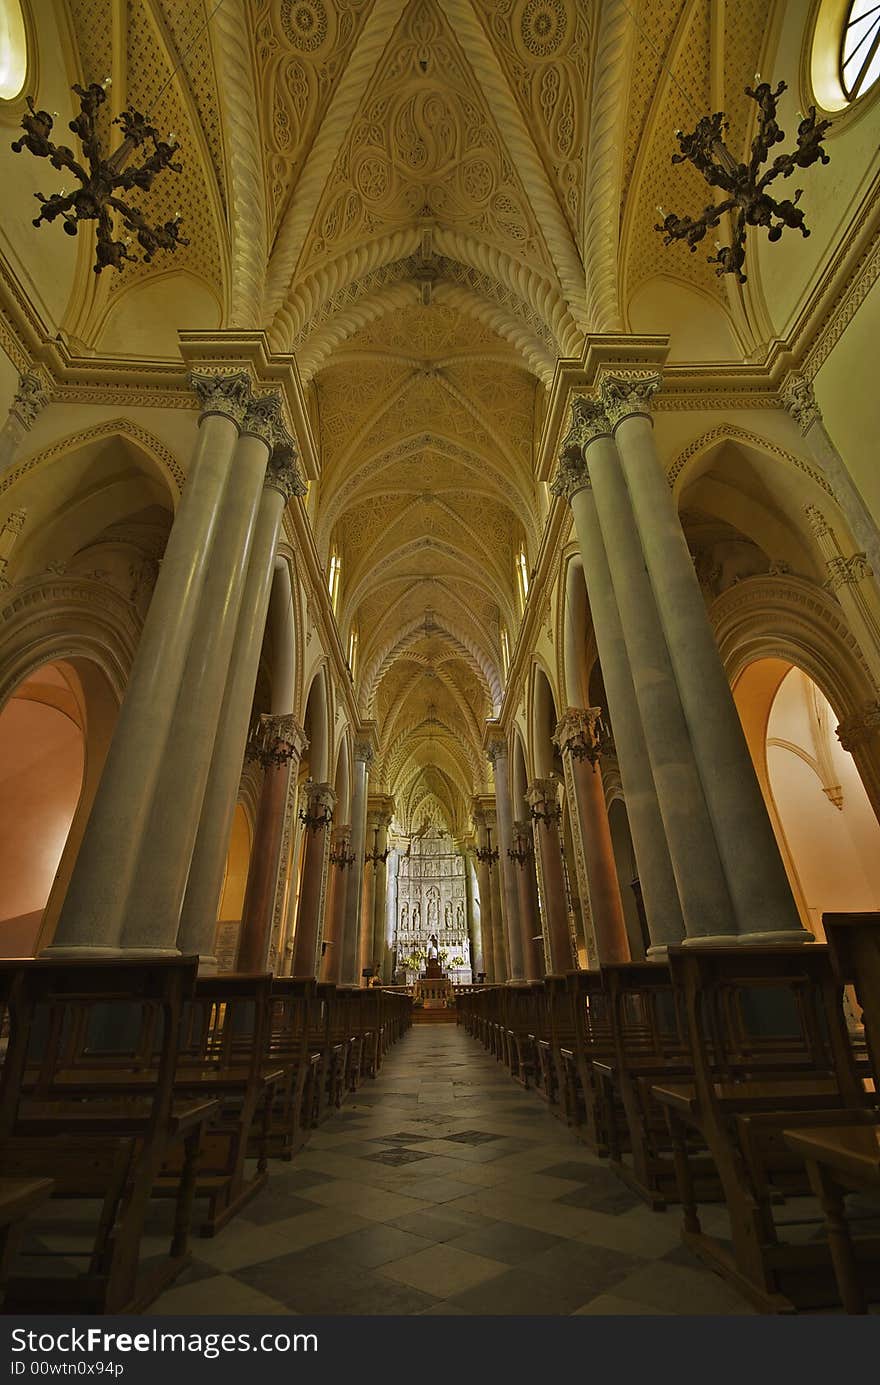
column 611, row 71
column 334, row 129
column 519, row 143
column 247, row 198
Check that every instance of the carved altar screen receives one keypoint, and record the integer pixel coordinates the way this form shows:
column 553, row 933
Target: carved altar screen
column 432, row 899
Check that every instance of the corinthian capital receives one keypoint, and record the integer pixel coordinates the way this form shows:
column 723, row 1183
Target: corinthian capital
column 363, row 752
column 496, row 749
column 282, row 475
column 29, row 400
column 223, row 392
column 629, row 392
column 577, row 733
column 263, row 418
column 854, row 730
column 800, row 401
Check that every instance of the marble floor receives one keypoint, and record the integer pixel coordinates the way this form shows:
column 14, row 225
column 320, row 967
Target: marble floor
column 443, row 1188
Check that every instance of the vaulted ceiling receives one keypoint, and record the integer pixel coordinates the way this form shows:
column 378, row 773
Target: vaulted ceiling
column 406, row 195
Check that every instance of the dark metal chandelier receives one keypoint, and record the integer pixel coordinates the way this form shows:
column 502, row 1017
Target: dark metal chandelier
column 96, row 199
column 486, row 855
column 747, row 197
column 523, row 851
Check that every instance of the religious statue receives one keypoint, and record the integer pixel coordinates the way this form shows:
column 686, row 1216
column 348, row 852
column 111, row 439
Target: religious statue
column 447, row 915
column 459, row 916
column 416, row 916
column 404, row 916
column 432, row 949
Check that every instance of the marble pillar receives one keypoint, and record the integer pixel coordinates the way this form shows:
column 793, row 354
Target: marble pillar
column 316, row 814
column 379, row 815
column 29, row 401
column 659, row 890
column 280, row 742
column 577, row 739
column 800, row 401
column 351, row 935
column 699, row 875
column 94, row 909
column 497, row 752
column 339, row 864
column 198, row 919
column 153, row 914
column 484, row 886
column 546, row 815
column 763, row 906
column 523, row 855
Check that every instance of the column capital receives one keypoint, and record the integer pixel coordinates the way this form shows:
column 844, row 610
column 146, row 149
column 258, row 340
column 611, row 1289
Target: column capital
column 543, row 798
column 364, row 752
column 319, row 800
column 276, row 740
column 578, row 733
column 860, row 726
column 282, row 474
column 799, row 400
column 263, row 419
column 494, row 743
column 29, row 399
column 226, row 392
column 628, row 392
column 380, row 810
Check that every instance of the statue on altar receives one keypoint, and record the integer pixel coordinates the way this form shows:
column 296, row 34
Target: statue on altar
column 432, row 951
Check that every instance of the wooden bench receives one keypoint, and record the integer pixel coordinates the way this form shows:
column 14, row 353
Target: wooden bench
column 586, row 1098
column 769, row 1051
column 88, row 1103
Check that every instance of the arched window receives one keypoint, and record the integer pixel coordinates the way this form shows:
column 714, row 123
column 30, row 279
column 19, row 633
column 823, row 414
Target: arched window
column 13, row 50
column 333, row 577
column 522, row 571
column 505, row 651
column 352, row 649
column 860, row 48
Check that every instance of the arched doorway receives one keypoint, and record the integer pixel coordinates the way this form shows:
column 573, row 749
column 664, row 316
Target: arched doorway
column 827, row 831
column 42, row 766
column 229, row 913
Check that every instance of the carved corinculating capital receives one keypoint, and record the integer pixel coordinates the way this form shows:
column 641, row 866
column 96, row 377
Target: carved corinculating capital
column 223, row 392
column 844, row 572
column 496, row 749
column 282, row 475
column 364, row 753
column 800, row 401
column 543, row 799
column 29, row 400
column 818, row 524
column 854, row 730
column 577, row 733
column 624, row 395
column 588, row 422
column 263, row 418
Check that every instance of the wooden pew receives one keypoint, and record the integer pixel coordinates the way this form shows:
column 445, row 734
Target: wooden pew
column 648, row 1043
column 846, row 1158
column 586, row 1098
column 18, row 1198
column 88, row 1102
column 292, row 1015
column 770, row 1051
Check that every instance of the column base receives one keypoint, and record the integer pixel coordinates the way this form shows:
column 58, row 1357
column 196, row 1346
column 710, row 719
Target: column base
column 711, row 940
column 60, row 951
column 659, row 952
column 784, row 935
column 208, row 965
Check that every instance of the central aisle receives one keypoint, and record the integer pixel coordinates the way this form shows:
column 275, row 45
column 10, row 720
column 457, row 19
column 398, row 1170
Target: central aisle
column 443, row 1187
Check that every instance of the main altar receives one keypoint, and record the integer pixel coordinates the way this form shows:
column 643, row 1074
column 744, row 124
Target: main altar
column 433, row 989
column 431, row 905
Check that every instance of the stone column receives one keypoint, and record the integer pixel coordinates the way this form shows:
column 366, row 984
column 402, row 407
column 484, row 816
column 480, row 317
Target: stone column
column 94, row 908
column 380, row 813
column 484, row 885
column 9, row 536
column 699, row 875
column 474, row 933
column 497, row 752
column 316, row 814
column 578, row 742
column 763, row 905
column 339, row 863
column 491, row 857
column 363, row 758
column 279, row 745
column 29, row 400
column 198, row 920
column 523, row 854
column 153, row 913
column 851, row 581
column 546, row 815
column 800, row 401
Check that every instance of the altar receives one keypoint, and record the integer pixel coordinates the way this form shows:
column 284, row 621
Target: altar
column 433, row 990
